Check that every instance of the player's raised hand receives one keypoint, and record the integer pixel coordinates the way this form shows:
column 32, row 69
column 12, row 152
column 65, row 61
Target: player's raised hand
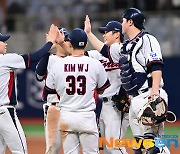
column 87, row 25
column 60, row 37
column 52, row 34
column 54, row 45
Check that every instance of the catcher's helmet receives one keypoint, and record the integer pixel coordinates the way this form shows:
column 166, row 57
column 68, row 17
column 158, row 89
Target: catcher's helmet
column 4, row 38
column 136, row 16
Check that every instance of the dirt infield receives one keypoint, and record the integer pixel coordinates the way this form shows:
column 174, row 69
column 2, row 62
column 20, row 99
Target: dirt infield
column 36, row 145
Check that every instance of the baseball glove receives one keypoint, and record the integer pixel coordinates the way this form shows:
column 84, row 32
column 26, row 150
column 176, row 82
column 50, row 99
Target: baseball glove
column 121, row 101
column 155, row 111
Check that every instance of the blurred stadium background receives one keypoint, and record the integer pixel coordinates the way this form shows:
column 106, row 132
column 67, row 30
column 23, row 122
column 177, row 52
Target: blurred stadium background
column 28, row 20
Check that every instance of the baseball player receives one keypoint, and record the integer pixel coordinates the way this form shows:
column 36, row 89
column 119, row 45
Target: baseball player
column 74, row 78
column 112, row 122
column 11, row 132
column 141, row 75
column 44, row 66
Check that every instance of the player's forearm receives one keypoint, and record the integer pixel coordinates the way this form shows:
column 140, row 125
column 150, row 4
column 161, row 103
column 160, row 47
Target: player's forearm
column 96, row 43
column 41, row 68
column 156, row 80
column 36, row 56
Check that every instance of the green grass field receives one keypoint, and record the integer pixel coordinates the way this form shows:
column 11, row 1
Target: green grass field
column 38, row 130
column 35, row 135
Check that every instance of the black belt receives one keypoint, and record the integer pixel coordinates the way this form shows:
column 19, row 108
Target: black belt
column 139, row 92
column 8, row 105
column 53, row 104
column 106, row 99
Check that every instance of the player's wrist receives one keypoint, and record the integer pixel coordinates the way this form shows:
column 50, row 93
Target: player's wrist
column 61, row 43
column 49, row 42
column 154, row 94
column 89, row 34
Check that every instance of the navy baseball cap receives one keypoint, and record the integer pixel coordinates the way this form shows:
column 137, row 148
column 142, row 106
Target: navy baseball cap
column 4, row 38
column 78, row 37
column 111, row 26
column 66, row 33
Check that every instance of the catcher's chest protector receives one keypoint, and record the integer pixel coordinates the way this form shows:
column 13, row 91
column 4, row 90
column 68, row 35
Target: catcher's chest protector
column 132, row 72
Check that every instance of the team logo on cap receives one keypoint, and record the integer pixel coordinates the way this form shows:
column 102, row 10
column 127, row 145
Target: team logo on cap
column 81, row 43
column 117, row 29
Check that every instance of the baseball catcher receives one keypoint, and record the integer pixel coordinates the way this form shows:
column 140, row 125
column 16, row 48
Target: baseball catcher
column 154, row 112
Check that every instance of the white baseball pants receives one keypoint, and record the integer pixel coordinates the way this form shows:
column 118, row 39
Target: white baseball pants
column 11, row 132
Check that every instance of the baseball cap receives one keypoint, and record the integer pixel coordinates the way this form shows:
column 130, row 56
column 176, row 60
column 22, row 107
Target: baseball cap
column 78, row 37
column 4, row 38
column 66, row 33
column 111, row 26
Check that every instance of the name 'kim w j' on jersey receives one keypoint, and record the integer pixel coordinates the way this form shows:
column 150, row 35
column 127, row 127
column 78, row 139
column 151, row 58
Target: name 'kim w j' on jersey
column 74, row 78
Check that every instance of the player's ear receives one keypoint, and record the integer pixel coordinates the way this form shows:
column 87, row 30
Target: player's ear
column 117, row 35
column 130, row 21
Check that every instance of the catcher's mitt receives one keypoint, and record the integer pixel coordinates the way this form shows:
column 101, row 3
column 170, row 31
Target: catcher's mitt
column 121, row 101
column 154, row 112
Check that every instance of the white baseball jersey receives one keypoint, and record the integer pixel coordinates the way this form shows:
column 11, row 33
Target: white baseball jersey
column 75, row 78
column 146, row 52
column 52, row 59
column 150, row 52
column 110, row 121
column 143, row 51
column 51, row 98
column 8, row 63
column 11, row 131
column 111, row 67
column 10, row 127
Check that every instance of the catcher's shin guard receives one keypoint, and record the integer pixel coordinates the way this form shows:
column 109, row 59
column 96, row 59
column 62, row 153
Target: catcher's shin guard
column 138, row 150
column 152, row 149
